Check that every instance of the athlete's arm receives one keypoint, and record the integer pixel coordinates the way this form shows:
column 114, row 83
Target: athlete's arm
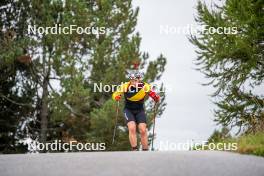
column 154, row 95
column 151, row 92
column 120, row 90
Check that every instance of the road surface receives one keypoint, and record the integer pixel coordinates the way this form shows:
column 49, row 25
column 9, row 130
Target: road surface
column 182, row 163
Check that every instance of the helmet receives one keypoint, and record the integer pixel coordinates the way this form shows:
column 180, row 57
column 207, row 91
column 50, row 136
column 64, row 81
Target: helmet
column 134, row 75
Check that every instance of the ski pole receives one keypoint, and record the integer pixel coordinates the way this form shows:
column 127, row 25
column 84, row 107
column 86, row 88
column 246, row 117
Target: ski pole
column 154, row 120
column 117, row 111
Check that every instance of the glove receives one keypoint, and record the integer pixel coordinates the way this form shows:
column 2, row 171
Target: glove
column 154, row 96
column 118, row 97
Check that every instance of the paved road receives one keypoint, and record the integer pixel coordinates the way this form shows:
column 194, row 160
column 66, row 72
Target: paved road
column 198, row 163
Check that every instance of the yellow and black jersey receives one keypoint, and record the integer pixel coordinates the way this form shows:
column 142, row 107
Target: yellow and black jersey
column 134, row 96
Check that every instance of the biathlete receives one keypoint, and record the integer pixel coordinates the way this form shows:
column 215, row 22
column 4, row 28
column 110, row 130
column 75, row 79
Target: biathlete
column 134, row 93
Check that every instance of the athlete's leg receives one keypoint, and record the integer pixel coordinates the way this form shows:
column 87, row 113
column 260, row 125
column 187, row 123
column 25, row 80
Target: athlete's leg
column 132, row 128
column 132, row 134
column 144, row 135
column 142, row 125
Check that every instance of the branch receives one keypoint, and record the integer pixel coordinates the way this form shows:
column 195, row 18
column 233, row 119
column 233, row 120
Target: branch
column 12, row 101
column 54, row 78
column 74, row 112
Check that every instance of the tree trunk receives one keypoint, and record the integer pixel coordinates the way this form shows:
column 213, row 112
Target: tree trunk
column 44, row 113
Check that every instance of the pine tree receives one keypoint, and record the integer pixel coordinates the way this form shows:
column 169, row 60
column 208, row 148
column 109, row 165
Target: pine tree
column 219, row 135
column 114, row 54
column 63, row 69
column 16, row 90
column 234, row 62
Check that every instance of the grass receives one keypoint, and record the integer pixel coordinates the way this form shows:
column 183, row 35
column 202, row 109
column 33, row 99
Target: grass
column 246, row 144
column 251, row 144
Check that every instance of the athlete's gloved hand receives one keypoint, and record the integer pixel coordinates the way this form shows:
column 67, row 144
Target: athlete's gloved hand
column 154, row 96
column 118, row 97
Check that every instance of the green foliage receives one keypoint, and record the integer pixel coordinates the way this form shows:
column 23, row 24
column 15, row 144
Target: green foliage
column 16, row 89
column 102, row 126
column 251, row 144
column 234, row 62
column 57, row 85
column 246, row 143
column 219, row 135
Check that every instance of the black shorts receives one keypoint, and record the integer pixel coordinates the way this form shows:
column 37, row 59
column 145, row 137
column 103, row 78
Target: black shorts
column 137, row 116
